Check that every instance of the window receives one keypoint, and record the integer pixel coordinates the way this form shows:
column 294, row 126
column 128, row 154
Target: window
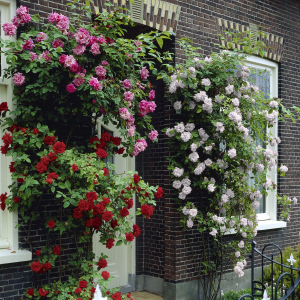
column 8, row 233
column 267, row 81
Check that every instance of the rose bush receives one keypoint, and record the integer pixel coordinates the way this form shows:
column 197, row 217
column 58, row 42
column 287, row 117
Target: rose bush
column 61, row 71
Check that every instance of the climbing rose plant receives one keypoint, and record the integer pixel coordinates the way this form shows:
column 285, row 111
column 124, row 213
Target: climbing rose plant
column 223, row 138
column 65, row 74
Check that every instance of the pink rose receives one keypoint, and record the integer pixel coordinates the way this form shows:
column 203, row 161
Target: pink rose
column 18, row 79
column 127, row 84
column 100, row 71
column 33, row 56
column 124, row 113
column 75, row 68
column 69, row 61
column 95, row 83
column 25, row 19
column 92, row 40
column 62, row 58
column 95, row 49
column 130, row 121
column 22, row 10
column 138, row 49
column 54, row 17
column 144, row 73
column 82, row 36
column 79, row 49
column 63, row 23
column 101, row 40
column 151, row 106
column 152, row 94
column 131, row 130
column 16, row 20
column 71, row 88
column 104, row 63
column 153, row 134
column 41, row 37
column 9, row 29
column 57, row 43
column 78, row 81
column 143, row 108
column 28, row 45
column 128, row 97
column 45, row 55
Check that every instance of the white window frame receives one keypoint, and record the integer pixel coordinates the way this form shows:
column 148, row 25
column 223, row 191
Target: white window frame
column 268, row 220
column 9, row 248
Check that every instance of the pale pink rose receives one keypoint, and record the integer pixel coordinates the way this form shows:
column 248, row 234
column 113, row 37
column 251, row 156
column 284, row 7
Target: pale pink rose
column 9, row 29
column 33, row 56
column 130, row 121
column 95, row 84
column 143, row 108
column 151, row 106
column 82, row 36
column 137, row 43
column 131, row 131
column 25, row 19
column 95, row 49
column 71, row 88
column 127, row 84
column 18, row 79
column 124, row 113
column 152, row 94
column 45, row 55
column 140, row 145
column 144, row 73
column 129, row 96
column 129, row 55
column 153, row 134
column 100, row 71
column 28, row 44
column 54, row 17
column 92, row 40
column 69, row 61
column 78, row 81
column 138, row 49
column 16, row 20
column 79, row 49
column 213, row 232
column 63, row 23
column 101, row 40
column 57, row 43
column 41, row 36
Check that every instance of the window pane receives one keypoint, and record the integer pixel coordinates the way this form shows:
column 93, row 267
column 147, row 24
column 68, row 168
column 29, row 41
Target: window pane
column 261, row 79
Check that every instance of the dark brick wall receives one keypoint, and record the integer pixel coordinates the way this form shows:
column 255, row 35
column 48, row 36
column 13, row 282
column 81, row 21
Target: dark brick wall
column 197, row 22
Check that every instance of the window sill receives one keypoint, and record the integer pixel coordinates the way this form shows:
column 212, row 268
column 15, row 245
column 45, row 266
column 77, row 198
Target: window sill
column 9, row 256
column 269, row 224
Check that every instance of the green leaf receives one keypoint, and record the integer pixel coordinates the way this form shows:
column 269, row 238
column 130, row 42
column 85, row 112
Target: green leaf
column 119, row 242
column 66, row 204
column 160, row 42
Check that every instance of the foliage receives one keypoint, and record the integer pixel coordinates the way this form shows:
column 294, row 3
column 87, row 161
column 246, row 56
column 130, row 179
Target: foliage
column 215, row 149
column 66, row 74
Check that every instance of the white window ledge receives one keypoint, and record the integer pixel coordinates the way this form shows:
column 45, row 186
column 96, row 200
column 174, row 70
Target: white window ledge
column 9, row 256
column 269, row 224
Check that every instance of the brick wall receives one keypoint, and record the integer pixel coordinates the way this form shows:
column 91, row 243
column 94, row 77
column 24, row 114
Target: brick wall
column 197, row 22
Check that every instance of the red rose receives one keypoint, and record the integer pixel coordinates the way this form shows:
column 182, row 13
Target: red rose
column 159, row 193
column 50, row 177
column 114, row 223
column 116, row 140
column 3, row 106
column 107, row 216
column 97, row 222
column 30, row 292
column 83, row 205
column 136, row 230
column 59, row 147
column 101, row 144
column 77, row 213
column 147, row 210
column 93, row 139
column 49, row 140
column 91, row 196
column 74, row 167
column 105, row 201
column 117, row 296
column 109, row 243
column 129, row 203
column 36, row 266
column 136, row 178
column 41, row 167
column 20, row 180
column 105, row 136
column 38, row 252
column 35, row 131
column 43, row 293
column 52, row 156
column 4, row 149
column 105, row 275
column 51, row 224
column 23, row 129
column 108, row 293
column 106, row 172
column 82, row 284
column 56, row 250
column 101, row 153
column 13, row 128
column 7, row 139
column 121, row 150
column 124, row 212
column 17, row 199
column 47, row 266
column 2, row 200
column 102, row 263
column 11, row 167
column 89, row 222
column 78, row 290
column 129, row 237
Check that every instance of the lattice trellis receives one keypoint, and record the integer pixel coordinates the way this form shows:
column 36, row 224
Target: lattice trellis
column 274, row 43
column 157, row 14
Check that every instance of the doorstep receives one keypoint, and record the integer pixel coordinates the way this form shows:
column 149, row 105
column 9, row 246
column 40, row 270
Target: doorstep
column 145, row 296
